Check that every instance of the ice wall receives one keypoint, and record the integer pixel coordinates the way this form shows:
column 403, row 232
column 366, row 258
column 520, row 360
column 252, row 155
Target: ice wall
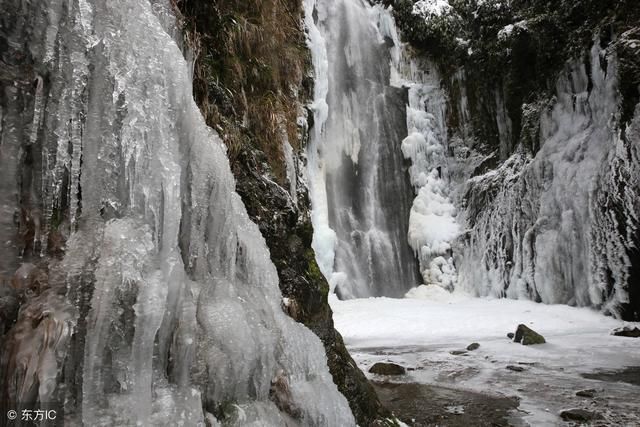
column 560, row 227
column 160, row 305
column 359, row 187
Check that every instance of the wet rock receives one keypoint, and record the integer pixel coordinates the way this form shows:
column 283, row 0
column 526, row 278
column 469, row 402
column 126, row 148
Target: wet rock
column 292, row 308
column 35, row 349
column 586, row 393
column 579, row 415
column 29, row 281
column 387, row 368
column 280, row 394
column 626, row 331
column 473, row 346
column 515, row 368
column 528, row 336
column 433, row 405
column 9, row 306
column 510, row 335
column 458, row 352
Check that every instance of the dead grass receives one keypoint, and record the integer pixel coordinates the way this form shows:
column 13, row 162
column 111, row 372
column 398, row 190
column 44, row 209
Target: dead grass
column 249, row 72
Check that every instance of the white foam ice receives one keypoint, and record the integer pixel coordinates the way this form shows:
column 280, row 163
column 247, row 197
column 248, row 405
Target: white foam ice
column 432, row 221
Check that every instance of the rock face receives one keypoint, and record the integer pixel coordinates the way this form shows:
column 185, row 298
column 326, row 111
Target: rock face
column 517, row 113
column 387, row 368
column 528, row 336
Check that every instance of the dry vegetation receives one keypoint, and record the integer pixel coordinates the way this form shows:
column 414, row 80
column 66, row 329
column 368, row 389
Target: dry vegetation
column 250, row 68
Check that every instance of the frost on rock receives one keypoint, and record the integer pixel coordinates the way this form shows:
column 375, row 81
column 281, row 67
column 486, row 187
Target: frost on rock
column 561, row 227
column 508, row 30
column 165, row 307
column 429, row 8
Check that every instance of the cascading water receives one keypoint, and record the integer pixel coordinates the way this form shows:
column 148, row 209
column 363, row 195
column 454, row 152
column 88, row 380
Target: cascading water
column 359, row 182
column 163, row 307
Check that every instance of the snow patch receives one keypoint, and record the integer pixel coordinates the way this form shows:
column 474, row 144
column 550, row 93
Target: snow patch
column 430, row 8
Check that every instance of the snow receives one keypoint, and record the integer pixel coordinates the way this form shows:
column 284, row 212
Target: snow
column 507, row 30
column 429, row 8
column 419, row 332
column 431, row 315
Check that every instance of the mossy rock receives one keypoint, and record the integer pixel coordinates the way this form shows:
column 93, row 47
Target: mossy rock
column 528, row 336
column 387, row 368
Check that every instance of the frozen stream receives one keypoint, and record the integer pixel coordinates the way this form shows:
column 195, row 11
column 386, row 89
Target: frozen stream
column 419, row 333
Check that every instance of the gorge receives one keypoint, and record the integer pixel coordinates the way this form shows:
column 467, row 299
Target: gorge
column 193, row 191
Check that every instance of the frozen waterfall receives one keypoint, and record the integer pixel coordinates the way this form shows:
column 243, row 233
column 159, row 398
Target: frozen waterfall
column 360, row 187
column 559, row 227
column 164, row 308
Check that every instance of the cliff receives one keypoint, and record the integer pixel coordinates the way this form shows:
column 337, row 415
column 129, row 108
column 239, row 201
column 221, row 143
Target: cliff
column 542, row 142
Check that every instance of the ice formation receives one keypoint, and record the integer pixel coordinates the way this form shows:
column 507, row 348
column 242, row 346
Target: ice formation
column 360, row 193
column 432, row 223
column 165, row 308
column 559, row 227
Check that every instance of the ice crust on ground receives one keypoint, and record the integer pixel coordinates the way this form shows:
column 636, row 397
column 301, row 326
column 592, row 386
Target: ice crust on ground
column 418, row 332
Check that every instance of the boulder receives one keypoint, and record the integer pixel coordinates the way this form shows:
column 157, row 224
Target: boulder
column 387, row 368
column 458, row 352
column 510, row 335
column 626, row 331
column 473, row 346
column 528, row 336
column 586, row 393
column 515, row 368
column 579, row 415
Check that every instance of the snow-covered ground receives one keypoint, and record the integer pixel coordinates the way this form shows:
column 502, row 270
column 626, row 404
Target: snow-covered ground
column 419, row 332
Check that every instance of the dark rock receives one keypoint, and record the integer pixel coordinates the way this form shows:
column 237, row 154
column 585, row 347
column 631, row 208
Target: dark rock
column 510, row 335
column 515, row 368
column 528, row 336
column 586, row 393
column 9, row 305
column 473, row 346
column 626, row 331
column 458, row 352
column 579, row 415
column 387, row 368
column 432, row 405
